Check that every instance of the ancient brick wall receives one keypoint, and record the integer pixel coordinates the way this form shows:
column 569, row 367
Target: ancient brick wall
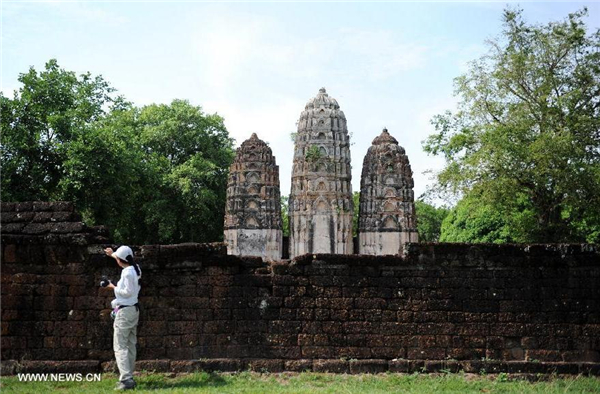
column 47, row 282
column 444, row 305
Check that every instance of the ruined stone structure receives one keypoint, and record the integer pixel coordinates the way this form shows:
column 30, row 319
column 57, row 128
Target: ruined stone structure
column 471, row 307
column 320, row 205
column 253, row 210
column 387, row 219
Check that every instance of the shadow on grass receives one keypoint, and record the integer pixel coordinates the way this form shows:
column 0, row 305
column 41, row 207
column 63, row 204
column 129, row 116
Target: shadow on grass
column 211, row 379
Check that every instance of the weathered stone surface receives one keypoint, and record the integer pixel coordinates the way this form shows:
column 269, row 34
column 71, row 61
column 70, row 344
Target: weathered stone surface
column 368, row 366
column 8, row 367
column 336, row 366
column 532, row 308
column 298, row 365
column 80, row 366
column 262, row 365
column 320, row 205
column 387, row 219
column 47, row 222
column 519, row 369
column 153, row 365
column 253, row 210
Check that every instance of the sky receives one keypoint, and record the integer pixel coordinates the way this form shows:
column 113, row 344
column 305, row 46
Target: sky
column 388, row 64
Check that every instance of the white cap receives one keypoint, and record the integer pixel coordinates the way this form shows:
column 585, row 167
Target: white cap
column 123, row 252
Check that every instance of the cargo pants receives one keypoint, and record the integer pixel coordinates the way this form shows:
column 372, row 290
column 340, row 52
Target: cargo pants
column 125, row 340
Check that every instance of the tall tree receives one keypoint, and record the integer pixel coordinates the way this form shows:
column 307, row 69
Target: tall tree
column 50, row 110
column 526, row 137
column 473, row 220
column 429, row 221
column 285, row 218
column 189, row 154
column 104, row 174
column 163, row 175
column 155, row 174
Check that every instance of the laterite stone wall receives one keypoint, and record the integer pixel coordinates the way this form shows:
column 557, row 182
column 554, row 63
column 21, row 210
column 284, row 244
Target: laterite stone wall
column 445, row 305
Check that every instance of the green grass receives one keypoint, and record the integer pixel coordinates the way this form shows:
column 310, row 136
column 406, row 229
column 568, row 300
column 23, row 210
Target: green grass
column 250, row 382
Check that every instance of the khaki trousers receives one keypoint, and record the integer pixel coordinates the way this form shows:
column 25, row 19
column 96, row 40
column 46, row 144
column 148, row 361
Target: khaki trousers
column 125, row 339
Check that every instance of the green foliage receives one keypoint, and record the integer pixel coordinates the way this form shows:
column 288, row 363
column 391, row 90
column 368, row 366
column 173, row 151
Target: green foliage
column 285, row 218
column 429, row 221
column 312, row 154
column 356, row 201
column 474, row 220
column 155, row 174
column 103, row 174
column 188, row 154
column 51, row 110
column 526, row 137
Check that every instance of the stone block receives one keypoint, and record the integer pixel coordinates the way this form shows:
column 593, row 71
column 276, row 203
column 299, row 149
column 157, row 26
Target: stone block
column 298, row 365
column 368, row 366
column 109, row 367
column 184, row 366
column 153, row 366
column 179, row 353
column 83, row 366
column 36, row 228
column 9, row 254
column 8, row 367
column 67, row 227
column 8, row 206
column 16, row 217
column 12, row 228
column 426, row 354
column 220, row 365
column 443, row 366
column 266, row 365
column 334, row 366
column 398, row 365
column 23, row 206
column 319, row 351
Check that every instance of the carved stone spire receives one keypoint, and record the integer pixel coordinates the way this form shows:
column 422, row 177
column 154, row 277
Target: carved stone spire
column 253, row 210
column 387, row 218
column 320, row 204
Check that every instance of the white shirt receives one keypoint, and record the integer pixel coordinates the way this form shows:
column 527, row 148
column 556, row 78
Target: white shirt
column 127, row 289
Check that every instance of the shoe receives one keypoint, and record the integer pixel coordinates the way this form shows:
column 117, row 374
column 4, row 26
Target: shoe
column 128, row 384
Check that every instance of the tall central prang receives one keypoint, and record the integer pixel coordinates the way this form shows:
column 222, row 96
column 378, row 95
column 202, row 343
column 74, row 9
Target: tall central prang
column 320, row 204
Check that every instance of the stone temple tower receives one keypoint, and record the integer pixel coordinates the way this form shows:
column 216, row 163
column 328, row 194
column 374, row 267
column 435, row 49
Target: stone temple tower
column 320, row 205
column 387, row 217
column 253, row 210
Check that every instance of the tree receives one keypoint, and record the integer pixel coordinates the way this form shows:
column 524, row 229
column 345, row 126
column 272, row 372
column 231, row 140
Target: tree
column 473, row 219
column 429, row 221
column 156, row 174
column 51, row 109
column 285, row 218
column 526, row 137
column 182, row 158
column 104, row 175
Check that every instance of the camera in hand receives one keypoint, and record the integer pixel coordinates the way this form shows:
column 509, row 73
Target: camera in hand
column 104, row 281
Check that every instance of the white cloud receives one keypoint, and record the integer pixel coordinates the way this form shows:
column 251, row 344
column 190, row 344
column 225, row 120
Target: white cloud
column 258, row 64
column 253, row 74
column 273, row 124
column 9, row 91
column 238, row 48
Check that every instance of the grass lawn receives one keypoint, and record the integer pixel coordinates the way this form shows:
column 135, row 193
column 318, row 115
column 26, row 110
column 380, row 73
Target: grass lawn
column 250, row 382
